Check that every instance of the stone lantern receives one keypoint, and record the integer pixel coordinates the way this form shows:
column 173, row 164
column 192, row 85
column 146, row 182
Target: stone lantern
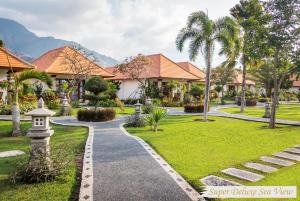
column 40, row 132
column 148, row 101
column 138, row 108
column 267, row 110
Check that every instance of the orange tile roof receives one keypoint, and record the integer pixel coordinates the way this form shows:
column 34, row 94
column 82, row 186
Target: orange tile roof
column 161, row 67
column 8, row 59
column 296, row 83
column 54, row 63
column 192, row 69
column 238, row 80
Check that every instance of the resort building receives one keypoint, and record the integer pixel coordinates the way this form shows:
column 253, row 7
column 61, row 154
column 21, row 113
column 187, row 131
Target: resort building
column 236, row 84
column 10, row 63
column 161, row 71
column 66, row 63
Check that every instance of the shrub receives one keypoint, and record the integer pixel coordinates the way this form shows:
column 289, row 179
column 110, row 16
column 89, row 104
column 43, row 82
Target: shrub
column 249, row 102
column 49, row 95
column 5, row 109
column 96, row 115
column 27, row 106
column 155, row 117
column 40, row 170
column 132, row 101
column 53, row 104
column 190, row 108
column 28, row 98
column 135, row 121
column 107, row 103
column 75, row 104
column 263, row 100
column 147, row 109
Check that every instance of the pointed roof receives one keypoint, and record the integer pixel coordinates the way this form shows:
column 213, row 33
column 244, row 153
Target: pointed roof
column 161, row 67
column 192, row 69
column 53, row 62
column 238, row 80
column 8, row 60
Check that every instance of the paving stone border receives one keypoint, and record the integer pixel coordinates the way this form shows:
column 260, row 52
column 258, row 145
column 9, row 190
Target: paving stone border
column 11, row 153
column 182, row 183
column 86, row 187
column 243, row 174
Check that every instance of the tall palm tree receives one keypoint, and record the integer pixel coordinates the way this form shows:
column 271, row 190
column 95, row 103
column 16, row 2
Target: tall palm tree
column 250, row 16
column 18, row 80
column 202, row 32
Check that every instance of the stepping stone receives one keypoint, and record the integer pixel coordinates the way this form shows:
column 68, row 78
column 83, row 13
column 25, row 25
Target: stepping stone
column 297, row 146
column 213, row 180
column 5, row 154
column 243, row 174
column 287, row 156
column 276, row 161
column 293, row 150
column 261, row 167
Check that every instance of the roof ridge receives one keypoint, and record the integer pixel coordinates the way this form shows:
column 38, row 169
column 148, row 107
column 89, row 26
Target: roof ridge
column 52, row 50
column 7, row 51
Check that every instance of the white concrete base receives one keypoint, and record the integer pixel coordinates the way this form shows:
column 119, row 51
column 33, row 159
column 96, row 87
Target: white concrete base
column 12, row 153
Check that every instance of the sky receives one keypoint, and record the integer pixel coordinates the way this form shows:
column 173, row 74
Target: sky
column 117, row 28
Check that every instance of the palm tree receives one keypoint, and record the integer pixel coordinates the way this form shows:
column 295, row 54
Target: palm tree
column 18, row 80
column 203, row 33
column 250, row 16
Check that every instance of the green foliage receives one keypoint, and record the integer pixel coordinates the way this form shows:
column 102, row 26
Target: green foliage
column 96, row 115
column 96, row 85
column 75, row 104
column 3, row 84
column 197, row 91
column 152, row 90
column 32, row 74
column 155, row 117
column 53, row 104
column 52, row 101
column 5, row 109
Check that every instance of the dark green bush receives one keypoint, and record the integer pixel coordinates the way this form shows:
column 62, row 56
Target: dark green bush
column 96, row 115
column 249, row 102
column 194, row 108
column 53, row 104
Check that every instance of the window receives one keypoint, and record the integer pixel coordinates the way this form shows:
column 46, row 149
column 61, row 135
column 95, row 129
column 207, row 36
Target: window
column 38, row 121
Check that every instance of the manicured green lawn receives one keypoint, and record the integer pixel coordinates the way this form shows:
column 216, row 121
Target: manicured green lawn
column 71, row 138
column 198, row 149
column 288, row 112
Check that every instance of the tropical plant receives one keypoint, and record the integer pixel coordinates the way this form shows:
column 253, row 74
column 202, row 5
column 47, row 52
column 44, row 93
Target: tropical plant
column 283, row 41
column 251, row 18
column 97, row 87
column 203, row 34
column 172, row 85
column 18, row 80
column 154, row 118
column 197, row 92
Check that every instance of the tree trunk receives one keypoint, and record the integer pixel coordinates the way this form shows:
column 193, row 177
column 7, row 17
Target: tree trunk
column 243, row 94
column 274, row 104
column 16, row 116
column 207, row 85
column 222, row 98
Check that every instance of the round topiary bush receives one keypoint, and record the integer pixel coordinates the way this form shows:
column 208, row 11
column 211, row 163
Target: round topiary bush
column 98, row 115
column 194, row 108
column 249, row 102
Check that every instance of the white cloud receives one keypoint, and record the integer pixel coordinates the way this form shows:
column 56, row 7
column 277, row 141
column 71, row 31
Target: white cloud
column 118, row 28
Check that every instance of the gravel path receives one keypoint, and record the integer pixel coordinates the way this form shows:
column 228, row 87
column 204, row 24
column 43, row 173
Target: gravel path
column 124, row 171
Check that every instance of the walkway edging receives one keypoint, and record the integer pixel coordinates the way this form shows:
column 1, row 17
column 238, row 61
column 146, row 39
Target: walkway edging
column 181, row 182
column 86, row 187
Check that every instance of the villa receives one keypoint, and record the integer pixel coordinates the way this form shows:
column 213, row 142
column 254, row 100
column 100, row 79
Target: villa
column 10, row 63
column 236, row 84
column 66, row 63
column 161, row 71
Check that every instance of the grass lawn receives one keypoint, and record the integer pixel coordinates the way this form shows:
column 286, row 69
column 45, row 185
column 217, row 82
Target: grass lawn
column 197, row 149
column 288, row 112
column 71, row 138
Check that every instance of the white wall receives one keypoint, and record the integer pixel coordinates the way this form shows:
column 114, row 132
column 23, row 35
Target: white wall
column 128, row 89
column 3, row 76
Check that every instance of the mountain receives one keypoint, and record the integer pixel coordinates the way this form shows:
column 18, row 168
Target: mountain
column 29, row 46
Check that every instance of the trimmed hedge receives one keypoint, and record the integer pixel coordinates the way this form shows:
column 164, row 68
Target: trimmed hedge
column 249, row 102
column 96, row 115
column 194, row 108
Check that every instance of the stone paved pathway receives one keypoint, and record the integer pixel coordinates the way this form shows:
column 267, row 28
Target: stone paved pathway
column 124, row 170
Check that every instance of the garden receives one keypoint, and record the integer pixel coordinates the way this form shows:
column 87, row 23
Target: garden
column 198, row 149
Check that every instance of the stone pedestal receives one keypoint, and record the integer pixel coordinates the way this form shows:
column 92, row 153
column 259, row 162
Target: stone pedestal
column 40, row 133
column 267, row 110
column 65, row 107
